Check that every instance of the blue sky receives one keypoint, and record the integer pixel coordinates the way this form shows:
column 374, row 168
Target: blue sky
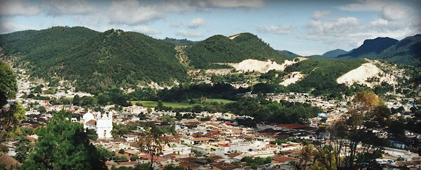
column 301, row 26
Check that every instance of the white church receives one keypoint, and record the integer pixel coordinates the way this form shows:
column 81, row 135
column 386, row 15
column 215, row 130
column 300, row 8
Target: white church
column 102, row 123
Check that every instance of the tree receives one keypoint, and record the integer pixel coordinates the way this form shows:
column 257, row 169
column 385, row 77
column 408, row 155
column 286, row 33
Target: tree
column 76, row 100
column 22, row 149
column 8, row 85
column 134, row 157
column 104, row 154
column 42, row 109
column 307, row 154
column 173, row 167
column 160, row 105
column 63, row 145
column 92, row 135
column 366, row 109
column 121, row 151
column 10, row 120
column 152, row 142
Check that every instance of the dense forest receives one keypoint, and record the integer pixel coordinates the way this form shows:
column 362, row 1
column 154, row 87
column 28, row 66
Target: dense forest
column 97, row 61
column 221, row 49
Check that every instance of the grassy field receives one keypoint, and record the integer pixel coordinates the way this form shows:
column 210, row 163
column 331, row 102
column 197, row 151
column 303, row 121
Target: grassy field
column 224, row 101
column 179, row 104
column 167, row 104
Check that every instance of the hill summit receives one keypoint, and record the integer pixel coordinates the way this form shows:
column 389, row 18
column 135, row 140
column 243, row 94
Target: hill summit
column 234, row 49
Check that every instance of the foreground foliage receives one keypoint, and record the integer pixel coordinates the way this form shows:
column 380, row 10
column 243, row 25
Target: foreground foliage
column 63, row 145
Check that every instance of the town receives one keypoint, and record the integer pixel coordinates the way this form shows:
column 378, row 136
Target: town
column 203, row 140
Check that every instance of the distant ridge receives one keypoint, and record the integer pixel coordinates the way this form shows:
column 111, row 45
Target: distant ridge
column 334, row 53
column 407, row 51
column 371, row 47
column 288, row 54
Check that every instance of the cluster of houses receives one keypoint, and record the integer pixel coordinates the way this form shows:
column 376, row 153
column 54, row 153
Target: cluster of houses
column 215, row 143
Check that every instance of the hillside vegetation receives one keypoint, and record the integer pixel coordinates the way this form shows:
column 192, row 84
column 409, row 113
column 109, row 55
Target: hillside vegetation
column 221, row 49
column 96, row 61
column 37, row 46
column 320, row 76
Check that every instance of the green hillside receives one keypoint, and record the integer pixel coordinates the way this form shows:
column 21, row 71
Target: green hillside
column 334, row 53
column 220, row 49
column 117, row 57
column 97, row 61
column 37, row 46
column 406, row 51
column 321, row 75
column 288, row 54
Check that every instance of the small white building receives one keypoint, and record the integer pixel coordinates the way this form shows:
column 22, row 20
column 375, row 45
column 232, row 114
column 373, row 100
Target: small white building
column 102, row 123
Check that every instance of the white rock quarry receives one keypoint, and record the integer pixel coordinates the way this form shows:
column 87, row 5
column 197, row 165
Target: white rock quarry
column 250, row 65
column 234, row 36
column 292, row 78
column 363, row 73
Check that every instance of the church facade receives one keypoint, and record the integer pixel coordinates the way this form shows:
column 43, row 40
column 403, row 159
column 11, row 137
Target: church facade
column 101, row 122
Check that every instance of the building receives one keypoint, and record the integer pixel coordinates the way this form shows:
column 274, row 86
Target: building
column 102, row 123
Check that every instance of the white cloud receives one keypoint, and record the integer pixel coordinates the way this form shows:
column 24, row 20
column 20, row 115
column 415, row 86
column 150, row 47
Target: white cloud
column 130, row 12
column 334, row 31
column 176, row 24
column 17, row 7
column 62, row 7
column 8, row 27
column 393, row 21
column 274, row 29
column 365, row 5
column 394, row 12
column 189, row 34
column 233, row 3
column 320, row 14
column 196, row 23
column 146, row 30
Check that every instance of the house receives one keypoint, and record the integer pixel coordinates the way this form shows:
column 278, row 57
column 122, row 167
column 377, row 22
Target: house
column 9, row 162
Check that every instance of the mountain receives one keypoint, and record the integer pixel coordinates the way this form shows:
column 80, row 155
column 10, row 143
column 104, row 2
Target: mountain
column 221, row 49
column 179, row 41
column 334, row 53
column 288, row 54
column 113, row 58
column 407, row 51
column 371, row 48
column 37, row 46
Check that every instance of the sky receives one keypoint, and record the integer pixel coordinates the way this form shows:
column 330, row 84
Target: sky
column 305, row 27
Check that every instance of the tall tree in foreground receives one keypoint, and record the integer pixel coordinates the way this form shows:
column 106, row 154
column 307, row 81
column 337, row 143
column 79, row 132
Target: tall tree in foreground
column 352, row 136
column 8, row 86
column 63, row 145
column 10, row 115
column 152, row 143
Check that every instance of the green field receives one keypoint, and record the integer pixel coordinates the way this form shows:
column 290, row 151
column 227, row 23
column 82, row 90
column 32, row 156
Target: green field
column 167, row 104
column 179, row 104
column 224, row 101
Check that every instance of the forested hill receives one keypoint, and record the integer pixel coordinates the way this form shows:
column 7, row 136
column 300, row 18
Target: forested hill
column 334, row 53
column 371, row 47
column 112, row 58
column 37, row 46
column 221, row 49
column 406, row 51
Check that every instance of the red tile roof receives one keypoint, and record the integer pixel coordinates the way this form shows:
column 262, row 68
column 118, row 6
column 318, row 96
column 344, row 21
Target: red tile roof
column 293, row 126
column 91, row 122
column 279, row 159
column 9, row 161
